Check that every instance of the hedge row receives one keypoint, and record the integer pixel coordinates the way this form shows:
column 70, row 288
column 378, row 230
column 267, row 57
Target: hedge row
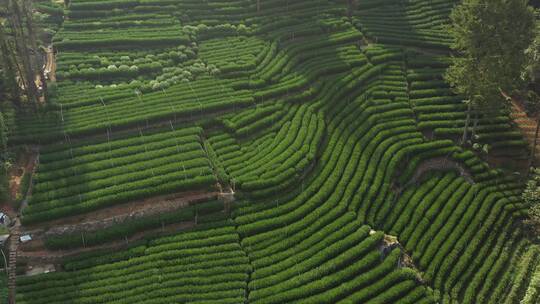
column 100, row 172
column 279, row 165
column 120, row 43
column 129, row 227
column 149, row 108
column 209, row 266
column 121, row 194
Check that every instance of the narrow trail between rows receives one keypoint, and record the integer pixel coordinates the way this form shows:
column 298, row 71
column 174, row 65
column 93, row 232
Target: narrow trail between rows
column 36, row 253
column 133, row 209
column 50, row 64
column 526, row 125
column 45, row 256
column 440, row 164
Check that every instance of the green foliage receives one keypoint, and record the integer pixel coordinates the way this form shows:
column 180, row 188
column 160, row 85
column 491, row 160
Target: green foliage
column 4, row 159
column 531, row 71
column 3, row 140
column 23, row 187
column 129, row 227
column 402, row 22
column 81, row 177
column 532, row 103
column 216, row 163
column 531, row 195
column 3, row 287
column 196, row 265
column 533, row 291
column 320, row 133
column 490, row 40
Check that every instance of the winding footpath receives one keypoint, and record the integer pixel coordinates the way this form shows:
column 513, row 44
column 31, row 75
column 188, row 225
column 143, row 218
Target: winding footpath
column 527, row 126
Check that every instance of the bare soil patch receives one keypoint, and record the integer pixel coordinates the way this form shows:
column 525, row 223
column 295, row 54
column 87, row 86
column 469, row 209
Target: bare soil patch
column 150, row 206
column 25, row 162
column 37, row 255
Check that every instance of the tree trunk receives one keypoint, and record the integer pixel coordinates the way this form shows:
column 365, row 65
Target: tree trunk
column 3, row 143
column 349, row 9
column 27, row 13
column 43, row 85
column 533, row 149
column 258, row 6
column 467, row 123
column 28, row 75
column 7, row 55
column 475, row 125
column 38, row 68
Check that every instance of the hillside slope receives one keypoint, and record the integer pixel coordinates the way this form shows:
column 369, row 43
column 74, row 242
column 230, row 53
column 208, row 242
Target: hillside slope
column 338, row 136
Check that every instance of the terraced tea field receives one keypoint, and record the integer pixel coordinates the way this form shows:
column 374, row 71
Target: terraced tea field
column 332, row 143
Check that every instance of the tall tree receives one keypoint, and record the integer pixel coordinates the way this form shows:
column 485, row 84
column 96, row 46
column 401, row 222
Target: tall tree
column 490, row 37
column 3, row 139
column 531, row 196
column 3, row 157
column 9, row 68
column 533, row 110
column 32, row 39
column 29, row 68
column 350, row 8
column 531, row 75
column 531, row 72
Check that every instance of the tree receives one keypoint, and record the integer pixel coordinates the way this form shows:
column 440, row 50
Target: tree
column 533, row 110
column 27, row 10
column 4, row 158
column 350, row 7
column 3, row 140
column 9, row 69
column 18, row 53
column 19, row 19
column 531, row 196
column 490, row 37
column 531, row 75
column 531, row 71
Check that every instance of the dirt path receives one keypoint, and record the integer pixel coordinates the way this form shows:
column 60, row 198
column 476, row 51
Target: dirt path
column 526, row 125
column 440, row 163
column 39, row 85
column 146, row 207
column 37, row 256
column 42, row 255
column 50, row 64
column 27, row 162
column 35, row 252
column 49, row 71
column 443, row 164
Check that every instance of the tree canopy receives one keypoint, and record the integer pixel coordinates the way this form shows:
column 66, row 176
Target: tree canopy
column 531, row 71
column 490, row 40
column 531, row 196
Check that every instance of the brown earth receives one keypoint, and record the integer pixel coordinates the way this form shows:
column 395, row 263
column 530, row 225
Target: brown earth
column 526, row 125
column 38, row 255
column 154, row 205
column 24, row 163
column 50, row 65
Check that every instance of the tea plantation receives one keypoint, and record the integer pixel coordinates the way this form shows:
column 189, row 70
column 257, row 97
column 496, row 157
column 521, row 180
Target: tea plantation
column 334, row 129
